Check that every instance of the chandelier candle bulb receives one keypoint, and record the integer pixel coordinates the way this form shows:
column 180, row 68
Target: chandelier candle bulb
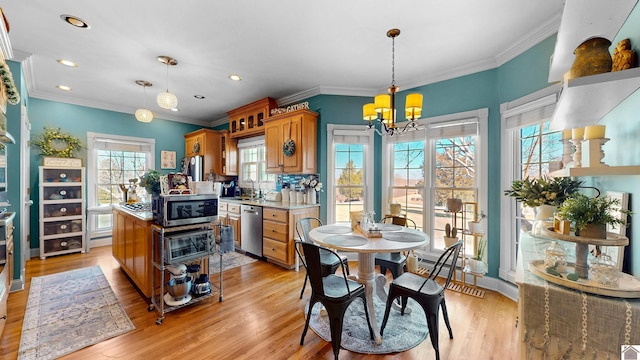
column 413, row 114
column 577, row 133
column 594, row 132
column 566, row 134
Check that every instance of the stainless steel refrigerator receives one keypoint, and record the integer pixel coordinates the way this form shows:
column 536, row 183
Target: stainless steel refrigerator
column 193, row 166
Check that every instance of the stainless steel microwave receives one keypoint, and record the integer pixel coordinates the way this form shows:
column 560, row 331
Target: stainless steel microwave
column 177, row 210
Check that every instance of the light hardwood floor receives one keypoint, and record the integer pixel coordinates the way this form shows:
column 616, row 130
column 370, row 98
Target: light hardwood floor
column 261, row 317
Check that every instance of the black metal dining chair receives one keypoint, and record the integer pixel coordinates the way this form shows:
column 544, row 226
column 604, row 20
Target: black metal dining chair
column 394, row 262
column 427, row 292
column 329, row 263
column 334, row 292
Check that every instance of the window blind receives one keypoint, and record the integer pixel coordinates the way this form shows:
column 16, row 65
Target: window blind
column 454, row 128
column 251, row 142
column 534, row 112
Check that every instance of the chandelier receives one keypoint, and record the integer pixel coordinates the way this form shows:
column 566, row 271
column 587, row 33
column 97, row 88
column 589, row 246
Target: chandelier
column 383, row 108
column 166, row 99
column 144, row 115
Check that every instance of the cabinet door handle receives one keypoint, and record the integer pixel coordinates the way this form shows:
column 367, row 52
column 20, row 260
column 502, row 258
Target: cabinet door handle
column 3, row 317
column 273, row 230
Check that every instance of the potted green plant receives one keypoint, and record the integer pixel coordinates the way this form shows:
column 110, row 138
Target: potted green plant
column 477, row 264
column 475, row 226
column 591, row 215
column 151, row 182
column 450, row 235
column 543, row 191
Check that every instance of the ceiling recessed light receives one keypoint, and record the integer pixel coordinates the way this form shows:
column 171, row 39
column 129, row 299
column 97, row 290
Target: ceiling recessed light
column 199, row 97
column 64, row 87
column 67, row 63
column 75, row 21
column 235, row 77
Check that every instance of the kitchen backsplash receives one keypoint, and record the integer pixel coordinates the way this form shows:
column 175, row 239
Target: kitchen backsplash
column 292, row 180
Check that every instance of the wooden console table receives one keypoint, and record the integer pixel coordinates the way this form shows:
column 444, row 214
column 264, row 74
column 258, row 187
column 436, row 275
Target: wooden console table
column 577, row 324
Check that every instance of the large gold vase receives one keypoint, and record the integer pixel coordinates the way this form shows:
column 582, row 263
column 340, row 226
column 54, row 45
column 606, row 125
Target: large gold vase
column 592, row 57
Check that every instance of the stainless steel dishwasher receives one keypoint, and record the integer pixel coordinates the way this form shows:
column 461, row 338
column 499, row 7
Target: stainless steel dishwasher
column 251, row 229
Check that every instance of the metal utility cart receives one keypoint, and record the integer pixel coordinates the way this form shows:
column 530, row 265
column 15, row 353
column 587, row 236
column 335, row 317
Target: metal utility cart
column 161, row 259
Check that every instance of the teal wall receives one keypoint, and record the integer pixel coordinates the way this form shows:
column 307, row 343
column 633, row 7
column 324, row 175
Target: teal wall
column 13, row 162
column 78, row 120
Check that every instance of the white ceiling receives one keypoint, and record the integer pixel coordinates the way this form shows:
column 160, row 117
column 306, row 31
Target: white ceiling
column 285, row 49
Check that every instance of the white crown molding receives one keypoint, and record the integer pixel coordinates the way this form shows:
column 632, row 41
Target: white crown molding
column 110, row 107
column 544, row 31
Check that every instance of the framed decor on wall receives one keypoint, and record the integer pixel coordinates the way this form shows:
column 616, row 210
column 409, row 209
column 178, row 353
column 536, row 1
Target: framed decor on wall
column 167, row 159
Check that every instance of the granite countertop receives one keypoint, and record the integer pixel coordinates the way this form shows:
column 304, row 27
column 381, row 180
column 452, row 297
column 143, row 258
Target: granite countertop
column 145, row 215
column 264, row 203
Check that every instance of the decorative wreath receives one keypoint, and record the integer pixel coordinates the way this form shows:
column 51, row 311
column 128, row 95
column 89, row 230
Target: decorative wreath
column 13, row 97
column 289, row 147
column 47, row 143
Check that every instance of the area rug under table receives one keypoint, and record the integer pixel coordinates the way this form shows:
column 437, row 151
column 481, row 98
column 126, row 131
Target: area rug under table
column 401, row 333
column 68, row 311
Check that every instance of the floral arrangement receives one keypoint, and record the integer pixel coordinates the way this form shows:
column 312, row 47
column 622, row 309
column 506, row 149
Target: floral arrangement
column 13, row 97
column 310, row 182
column 57, row 137
column 543, row 191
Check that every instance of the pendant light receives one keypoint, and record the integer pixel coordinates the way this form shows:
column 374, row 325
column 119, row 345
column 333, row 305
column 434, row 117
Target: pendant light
column 144, row 115
column 383, row 108
column 166, row 99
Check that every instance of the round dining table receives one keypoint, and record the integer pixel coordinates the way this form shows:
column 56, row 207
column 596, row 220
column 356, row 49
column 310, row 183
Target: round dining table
column 394, row 238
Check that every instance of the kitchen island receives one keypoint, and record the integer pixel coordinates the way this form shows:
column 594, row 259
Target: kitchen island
column 131, row 245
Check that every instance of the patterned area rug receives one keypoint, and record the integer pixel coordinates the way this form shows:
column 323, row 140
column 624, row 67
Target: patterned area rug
column 402, row 332
column 68, row 311
column 230, row 260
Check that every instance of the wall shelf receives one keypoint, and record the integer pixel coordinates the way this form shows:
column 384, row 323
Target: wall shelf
column 581, row 20
column 585, row 100
column 597, row 171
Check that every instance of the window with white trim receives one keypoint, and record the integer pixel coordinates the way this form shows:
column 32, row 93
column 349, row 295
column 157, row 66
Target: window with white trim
column 252, row 155
column 427, row 167
column 111, row 162
column 350, row 171
column 530, row 148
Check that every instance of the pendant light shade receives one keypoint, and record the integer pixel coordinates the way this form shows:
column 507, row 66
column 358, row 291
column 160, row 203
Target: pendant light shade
column 166, row 99
column 144, row 115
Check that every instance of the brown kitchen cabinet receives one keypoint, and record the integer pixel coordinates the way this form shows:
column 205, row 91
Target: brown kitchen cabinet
column 229, row 214
column 131, row 247
column 229, row 154
column 279, row 233
column 248, row 120
column 300, row 126
column 205, row 143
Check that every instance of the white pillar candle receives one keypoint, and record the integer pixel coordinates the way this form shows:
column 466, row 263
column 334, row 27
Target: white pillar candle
column 577, row 133
column 594, row 132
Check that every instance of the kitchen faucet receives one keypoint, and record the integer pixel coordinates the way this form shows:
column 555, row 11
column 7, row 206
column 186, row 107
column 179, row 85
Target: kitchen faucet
column 253, row 185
